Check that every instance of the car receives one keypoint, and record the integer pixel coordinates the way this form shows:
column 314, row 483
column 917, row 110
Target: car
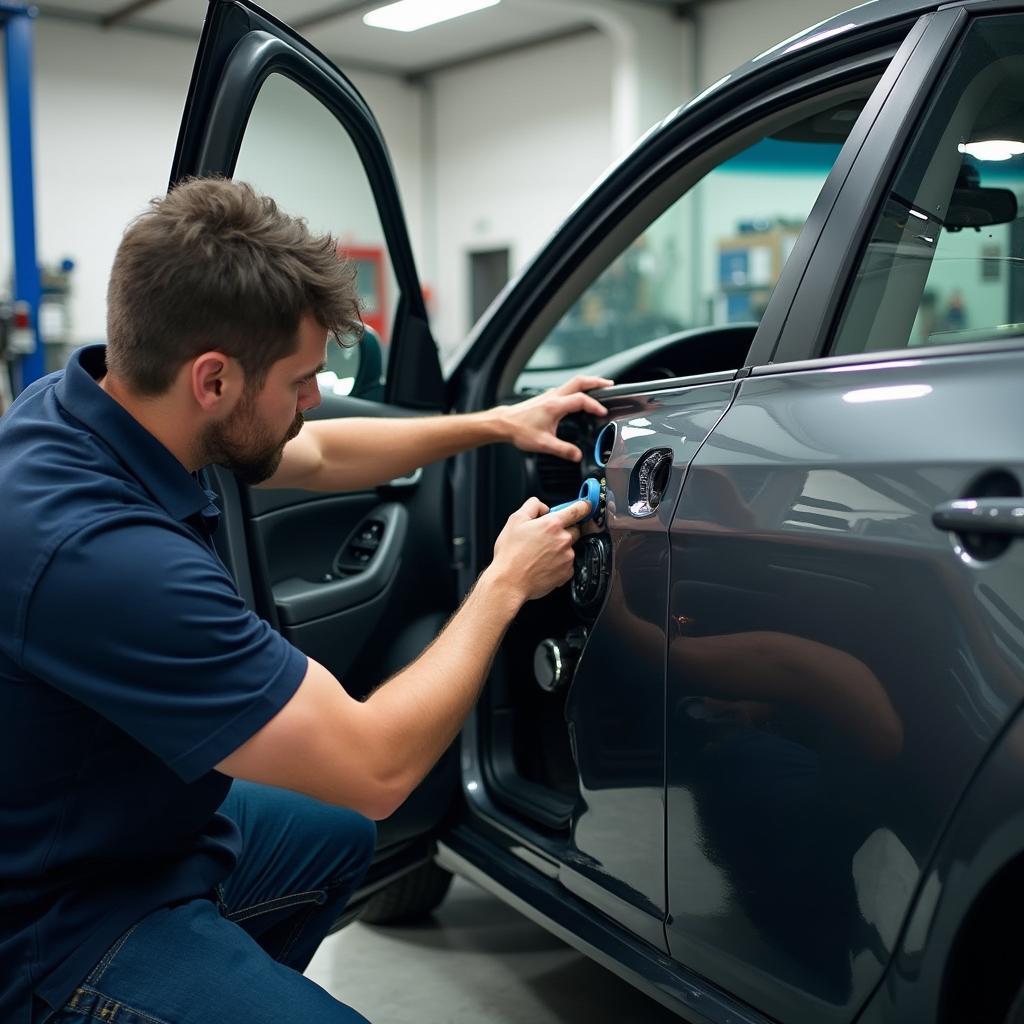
column 764, row 756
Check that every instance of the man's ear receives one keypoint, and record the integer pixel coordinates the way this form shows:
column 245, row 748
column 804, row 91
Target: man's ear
column 216, row 381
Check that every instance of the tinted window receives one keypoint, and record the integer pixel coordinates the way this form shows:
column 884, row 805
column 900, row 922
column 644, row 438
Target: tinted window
column 715, row 255
column 944, row 263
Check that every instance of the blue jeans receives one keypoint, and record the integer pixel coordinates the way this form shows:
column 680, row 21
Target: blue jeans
column 239, row 960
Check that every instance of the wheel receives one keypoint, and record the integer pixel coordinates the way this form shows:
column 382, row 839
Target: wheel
column 410, row 898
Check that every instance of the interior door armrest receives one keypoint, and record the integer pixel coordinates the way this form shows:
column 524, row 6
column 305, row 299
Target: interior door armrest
column 300, row 600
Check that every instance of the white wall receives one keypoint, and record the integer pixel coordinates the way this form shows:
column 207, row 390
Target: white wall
column 106, row 113
column 107, row 106
column 731, row 32
column 517, row 140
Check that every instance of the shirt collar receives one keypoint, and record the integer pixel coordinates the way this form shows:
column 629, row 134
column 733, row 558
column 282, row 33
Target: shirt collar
column 150, row 462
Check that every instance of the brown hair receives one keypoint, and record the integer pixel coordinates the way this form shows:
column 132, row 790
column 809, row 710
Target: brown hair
column 215, row 266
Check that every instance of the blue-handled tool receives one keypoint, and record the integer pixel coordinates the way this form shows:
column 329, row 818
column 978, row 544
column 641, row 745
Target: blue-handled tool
column 592, row 492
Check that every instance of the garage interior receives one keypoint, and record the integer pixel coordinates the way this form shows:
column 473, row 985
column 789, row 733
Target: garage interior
column 498, row 121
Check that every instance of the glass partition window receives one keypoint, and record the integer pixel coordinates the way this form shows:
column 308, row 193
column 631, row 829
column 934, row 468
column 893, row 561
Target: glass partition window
column 295, row 151
column 944, row 261
column 715, row 255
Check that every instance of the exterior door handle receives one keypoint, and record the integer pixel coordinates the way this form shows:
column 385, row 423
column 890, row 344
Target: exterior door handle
column 981, row 515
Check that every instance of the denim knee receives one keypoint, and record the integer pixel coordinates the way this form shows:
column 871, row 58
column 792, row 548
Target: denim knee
column 360, row 842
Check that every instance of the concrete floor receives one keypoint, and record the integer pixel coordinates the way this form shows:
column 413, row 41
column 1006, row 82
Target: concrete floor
column 476, row 960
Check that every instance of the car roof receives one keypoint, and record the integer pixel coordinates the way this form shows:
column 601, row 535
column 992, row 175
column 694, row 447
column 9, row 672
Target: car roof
column 866, row 16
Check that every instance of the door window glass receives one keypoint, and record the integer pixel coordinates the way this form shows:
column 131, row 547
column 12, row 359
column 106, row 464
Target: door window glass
column 944, row 263
column 295, row 151
column 715, row 255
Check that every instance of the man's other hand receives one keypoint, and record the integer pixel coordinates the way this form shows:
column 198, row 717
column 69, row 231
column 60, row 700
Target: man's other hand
column 533, row 553
column 531, row 425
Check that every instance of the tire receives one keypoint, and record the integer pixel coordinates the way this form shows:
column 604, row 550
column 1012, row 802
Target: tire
column 410, row 898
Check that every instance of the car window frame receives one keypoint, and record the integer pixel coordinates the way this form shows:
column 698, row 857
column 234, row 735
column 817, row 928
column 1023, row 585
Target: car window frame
column 523, row 319
column 821, row 294
column 241, row 47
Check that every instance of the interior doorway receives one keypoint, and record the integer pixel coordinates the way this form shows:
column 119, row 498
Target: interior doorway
column 488, row 274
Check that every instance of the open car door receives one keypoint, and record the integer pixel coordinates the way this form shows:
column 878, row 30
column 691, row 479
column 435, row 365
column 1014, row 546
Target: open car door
column 361, row 582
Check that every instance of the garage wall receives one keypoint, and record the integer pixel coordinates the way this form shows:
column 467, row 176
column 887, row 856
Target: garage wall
column 516, row 142
column 107, row 106
column 730, row 32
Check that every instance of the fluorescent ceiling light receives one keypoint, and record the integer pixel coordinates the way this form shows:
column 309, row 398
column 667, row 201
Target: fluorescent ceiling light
column 410, row 15
column 993, row 149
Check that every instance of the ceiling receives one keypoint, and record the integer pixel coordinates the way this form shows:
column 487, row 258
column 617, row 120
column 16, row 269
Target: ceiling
column 336, row 28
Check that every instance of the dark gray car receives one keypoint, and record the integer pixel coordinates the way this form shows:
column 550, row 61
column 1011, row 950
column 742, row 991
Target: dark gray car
column 764, row 757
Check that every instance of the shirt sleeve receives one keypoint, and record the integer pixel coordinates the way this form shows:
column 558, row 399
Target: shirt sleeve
column 143, row 624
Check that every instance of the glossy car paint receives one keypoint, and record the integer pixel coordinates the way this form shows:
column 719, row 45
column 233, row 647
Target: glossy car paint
column 838, row 668
column 979, row 860
column 615, row 707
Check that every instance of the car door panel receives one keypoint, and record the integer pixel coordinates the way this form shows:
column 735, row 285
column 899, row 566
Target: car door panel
column 835, row 641
column 615, row 706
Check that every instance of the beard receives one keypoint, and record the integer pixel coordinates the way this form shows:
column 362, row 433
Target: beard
column 244, row 445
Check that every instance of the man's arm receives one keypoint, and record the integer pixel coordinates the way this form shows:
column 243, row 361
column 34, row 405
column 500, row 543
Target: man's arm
column 359, row 452
column 370, row 755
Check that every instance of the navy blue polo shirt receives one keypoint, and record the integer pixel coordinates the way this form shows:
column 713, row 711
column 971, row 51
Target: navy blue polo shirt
column 129, row 667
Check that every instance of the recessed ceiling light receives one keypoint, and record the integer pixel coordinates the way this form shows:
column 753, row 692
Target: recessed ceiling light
column 993, row 149
column 410, row 15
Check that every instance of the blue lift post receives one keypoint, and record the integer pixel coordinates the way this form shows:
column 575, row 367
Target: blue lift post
column 16, row 22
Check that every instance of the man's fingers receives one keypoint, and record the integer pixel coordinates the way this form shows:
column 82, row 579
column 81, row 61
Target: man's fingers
column 582, row 382
column 575, row 532
column 573, row 514
column 563, row 449
column 580, row 402
column 530, row 509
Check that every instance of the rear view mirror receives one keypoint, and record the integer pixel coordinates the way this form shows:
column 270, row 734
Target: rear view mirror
column 980, row 207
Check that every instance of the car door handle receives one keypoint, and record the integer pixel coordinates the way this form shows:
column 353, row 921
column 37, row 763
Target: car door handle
column 981, row 515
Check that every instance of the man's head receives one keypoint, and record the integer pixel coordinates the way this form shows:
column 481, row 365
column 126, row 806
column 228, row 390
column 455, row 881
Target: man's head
column 216, row 291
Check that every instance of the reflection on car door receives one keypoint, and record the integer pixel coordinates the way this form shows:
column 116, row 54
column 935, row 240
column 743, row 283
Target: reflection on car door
column 341, row 575
column 845, row 648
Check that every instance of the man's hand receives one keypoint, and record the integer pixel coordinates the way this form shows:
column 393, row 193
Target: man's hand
column 533, row 553
column 531, row 425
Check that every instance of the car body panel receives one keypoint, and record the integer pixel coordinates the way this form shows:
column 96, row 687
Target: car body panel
column 864, row 664
column 981, row 849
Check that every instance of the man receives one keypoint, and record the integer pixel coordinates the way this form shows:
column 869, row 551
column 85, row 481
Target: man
column 137, row 883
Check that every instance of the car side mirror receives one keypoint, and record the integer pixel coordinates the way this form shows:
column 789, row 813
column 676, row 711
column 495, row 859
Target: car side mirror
column 980, row 207
column 369, row 382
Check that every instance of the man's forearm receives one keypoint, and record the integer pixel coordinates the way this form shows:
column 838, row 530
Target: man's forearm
column 356, row 453
column 366, row 452
column 420, row 710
